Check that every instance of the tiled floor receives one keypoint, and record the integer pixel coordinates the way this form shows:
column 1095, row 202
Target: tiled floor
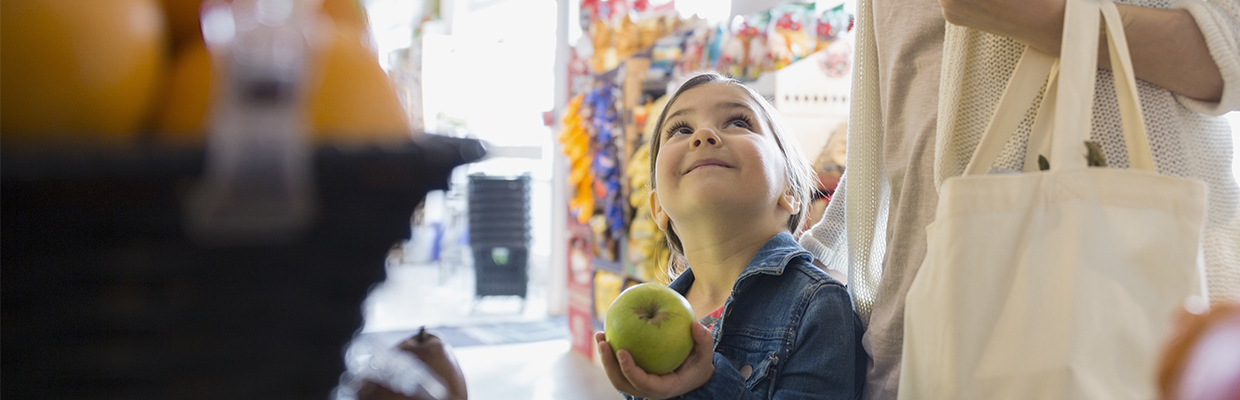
column 539, row 370
column 425, row 295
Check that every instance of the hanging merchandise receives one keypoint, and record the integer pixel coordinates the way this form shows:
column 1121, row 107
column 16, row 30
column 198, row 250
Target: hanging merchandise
column 618, row 30
column 607, row 191
column 837, row 60
column 604, row 56
column 626, row 39
column 713, row 47
column 696, row 51
column 667, row 52
column 653, row 22
column 758, row 54
column 831, row 25
column 576, row 142
column 645, row 237
column 791, row 39
column 607, row 286
column 647, row 250
column 731, row 43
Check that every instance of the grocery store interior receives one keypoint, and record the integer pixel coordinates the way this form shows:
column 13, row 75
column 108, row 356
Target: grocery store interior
column 526, row 217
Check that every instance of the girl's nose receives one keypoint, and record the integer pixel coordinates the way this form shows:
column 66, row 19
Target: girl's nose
column 704, row 136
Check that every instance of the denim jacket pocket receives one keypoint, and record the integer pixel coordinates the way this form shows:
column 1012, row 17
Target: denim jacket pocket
column 762, row 376
column 758, row 369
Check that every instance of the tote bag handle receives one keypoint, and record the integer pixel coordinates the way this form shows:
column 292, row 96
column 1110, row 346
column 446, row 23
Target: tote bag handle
column 1066, row 111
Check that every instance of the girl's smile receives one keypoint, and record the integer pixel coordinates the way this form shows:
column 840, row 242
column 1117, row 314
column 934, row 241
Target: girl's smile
column 707, row 163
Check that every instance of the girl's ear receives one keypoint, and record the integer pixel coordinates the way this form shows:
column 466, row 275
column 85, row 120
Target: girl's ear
column 656, row 211
column 790, row 203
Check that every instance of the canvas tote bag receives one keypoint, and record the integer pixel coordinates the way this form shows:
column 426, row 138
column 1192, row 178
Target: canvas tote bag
column 1057, row 284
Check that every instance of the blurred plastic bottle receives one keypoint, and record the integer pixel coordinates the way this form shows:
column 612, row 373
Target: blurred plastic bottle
column 257, row 187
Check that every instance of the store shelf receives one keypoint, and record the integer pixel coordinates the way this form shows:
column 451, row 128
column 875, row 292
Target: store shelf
column 615, row 267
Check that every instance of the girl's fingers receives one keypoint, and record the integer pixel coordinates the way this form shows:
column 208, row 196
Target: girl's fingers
column 634, row 374
column 703, row 341
column 700, row 366
column 613, row 369
column 702, row 337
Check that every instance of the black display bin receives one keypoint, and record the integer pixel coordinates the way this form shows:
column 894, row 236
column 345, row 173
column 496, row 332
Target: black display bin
column 499, row 234
column 509, row 276
column 105, row 296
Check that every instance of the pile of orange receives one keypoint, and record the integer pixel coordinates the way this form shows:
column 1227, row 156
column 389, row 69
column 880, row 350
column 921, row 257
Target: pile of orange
column 109, row 72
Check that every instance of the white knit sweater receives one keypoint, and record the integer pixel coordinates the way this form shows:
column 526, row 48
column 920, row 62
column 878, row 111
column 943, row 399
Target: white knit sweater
column 1187, row 136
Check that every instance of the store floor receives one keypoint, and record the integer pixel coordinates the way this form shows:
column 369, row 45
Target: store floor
column 500, row 365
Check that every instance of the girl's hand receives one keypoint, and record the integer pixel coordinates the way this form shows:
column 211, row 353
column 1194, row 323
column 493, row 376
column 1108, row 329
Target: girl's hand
column 1037, row 23
column 627, row 377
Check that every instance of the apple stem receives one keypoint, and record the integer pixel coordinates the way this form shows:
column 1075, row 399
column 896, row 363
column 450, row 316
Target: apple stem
column 422, row 334
column 651, row 314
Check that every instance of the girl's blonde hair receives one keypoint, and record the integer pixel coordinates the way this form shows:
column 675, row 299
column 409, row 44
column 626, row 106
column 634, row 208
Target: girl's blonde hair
column 802, row 179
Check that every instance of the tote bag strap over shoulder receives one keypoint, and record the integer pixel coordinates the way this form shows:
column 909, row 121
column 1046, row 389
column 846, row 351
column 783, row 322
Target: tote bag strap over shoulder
column 1063, row 119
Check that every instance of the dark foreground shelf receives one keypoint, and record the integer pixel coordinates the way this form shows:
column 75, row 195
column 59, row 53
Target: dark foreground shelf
column 105, row 295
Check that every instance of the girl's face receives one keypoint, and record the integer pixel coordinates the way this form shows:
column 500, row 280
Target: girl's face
column 717, row 154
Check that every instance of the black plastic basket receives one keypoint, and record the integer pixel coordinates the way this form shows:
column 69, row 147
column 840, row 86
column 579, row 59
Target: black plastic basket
column 501, row 271
column 499, row 234
column 106, row 296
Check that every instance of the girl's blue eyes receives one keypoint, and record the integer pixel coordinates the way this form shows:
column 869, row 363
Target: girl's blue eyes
column 679, row 128
column 740, row 121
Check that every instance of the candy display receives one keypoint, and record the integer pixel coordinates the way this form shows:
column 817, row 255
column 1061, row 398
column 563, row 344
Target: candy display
column 607, row 286
column 647, row 251
column 695, row 54
column 619, row 29
column 576, row 142
column 665, row 55
column 793, row 37
column 758, row 56
column 743, row 48
column 831, row 24
column 732, row 52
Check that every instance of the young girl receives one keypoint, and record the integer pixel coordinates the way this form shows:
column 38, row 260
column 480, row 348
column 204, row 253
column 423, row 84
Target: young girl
column 729, row 187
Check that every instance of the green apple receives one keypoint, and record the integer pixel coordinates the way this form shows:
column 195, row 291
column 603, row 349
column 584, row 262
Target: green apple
column 654, row 323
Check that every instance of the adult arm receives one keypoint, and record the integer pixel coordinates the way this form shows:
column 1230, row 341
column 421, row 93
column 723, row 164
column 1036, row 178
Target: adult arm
column 1191, row 49
column 827, row 240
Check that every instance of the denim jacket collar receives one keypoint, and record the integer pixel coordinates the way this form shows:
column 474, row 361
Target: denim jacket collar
column 770, row 259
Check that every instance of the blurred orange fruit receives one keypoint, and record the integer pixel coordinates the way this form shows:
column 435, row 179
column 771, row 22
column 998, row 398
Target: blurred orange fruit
column 182, row 111
column 347, row 14
column 183, row 20
column 349, row 96
column 79, row 71
column 352, row 98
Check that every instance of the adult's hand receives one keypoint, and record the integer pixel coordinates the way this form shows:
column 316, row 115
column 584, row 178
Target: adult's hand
column 627, row 377
column 436, row 355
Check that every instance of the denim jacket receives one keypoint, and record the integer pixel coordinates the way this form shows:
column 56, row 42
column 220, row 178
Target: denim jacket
column 789, row 326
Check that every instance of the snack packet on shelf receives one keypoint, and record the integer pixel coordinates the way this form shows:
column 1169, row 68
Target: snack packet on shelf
column 627, row 40
column 758, row 53
column 831, row 24
column 601, row 35
column 792, row 27
column 695, row 51
column 666, row 53
column 733, row 50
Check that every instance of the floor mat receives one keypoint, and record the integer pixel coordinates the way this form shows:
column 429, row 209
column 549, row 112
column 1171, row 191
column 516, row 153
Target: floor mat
column 504, row 333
